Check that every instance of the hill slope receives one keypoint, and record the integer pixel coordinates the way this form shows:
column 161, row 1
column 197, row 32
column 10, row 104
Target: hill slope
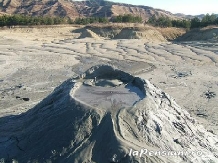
column 36, row 7
column 209, row 33
column 73, row 9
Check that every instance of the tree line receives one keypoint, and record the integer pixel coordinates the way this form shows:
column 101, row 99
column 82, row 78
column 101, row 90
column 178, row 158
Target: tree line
column 206, row 20
column 90, row 20
column 189, row 23
column 12, row 20
column 127, row 19
column 118, row 19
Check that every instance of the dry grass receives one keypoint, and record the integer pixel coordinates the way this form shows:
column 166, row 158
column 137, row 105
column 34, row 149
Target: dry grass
column 167, row 33
column 3, row 13
column 210, row 27
column 120, row 25
column 171, row 33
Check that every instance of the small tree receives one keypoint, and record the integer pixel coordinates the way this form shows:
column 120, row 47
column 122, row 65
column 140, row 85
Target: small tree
column 152, row 20
column 195, row 22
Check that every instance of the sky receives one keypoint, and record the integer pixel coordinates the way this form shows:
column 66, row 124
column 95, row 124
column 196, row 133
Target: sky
column 192, row 7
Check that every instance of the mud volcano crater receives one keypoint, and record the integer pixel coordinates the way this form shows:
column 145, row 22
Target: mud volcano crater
column 107, row 88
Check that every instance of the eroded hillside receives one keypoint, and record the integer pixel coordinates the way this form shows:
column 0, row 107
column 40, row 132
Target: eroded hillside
column 44, row 7
column 74, row 9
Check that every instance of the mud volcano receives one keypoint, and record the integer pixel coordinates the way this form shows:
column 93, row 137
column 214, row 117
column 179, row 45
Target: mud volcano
column 105, row 116
column 109, row 89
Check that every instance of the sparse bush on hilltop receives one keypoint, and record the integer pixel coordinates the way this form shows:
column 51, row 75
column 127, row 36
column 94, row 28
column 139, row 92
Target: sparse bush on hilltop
column 167, row 22
column 209, row 20
column 127, row 19
column 117, row 19
column 195, row 22
column 181, row 23
column 91, row 20
column 192, row 23
column 206, row 20
column 160, row 22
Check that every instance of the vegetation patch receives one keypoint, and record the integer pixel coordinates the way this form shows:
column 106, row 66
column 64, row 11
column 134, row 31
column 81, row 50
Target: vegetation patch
column 184, row 23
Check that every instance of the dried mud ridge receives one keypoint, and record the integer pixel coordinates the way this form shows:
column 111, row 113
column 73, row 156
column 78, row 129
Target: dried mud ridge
column 67, row 126
column 147, row 33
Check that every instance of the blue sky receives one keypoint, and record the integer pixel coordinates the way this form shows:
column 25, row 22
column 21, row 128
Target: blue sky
column 192, row 7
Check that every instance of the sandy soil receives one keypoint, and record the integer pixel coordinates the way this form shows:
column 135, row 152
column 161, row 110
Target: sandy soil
column 35, row 61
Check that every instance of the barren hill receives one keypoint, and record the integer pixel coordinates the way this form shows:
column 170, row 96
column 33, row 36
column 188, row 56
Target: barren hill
column 73, row 9
column 37, row 7
column 143, row 11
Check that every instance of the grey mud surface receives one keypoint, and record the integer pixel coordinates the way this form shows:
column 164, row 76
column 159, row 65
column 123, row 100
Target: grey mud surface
column 107, row 98
column 187, row 71
column 108, row 89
